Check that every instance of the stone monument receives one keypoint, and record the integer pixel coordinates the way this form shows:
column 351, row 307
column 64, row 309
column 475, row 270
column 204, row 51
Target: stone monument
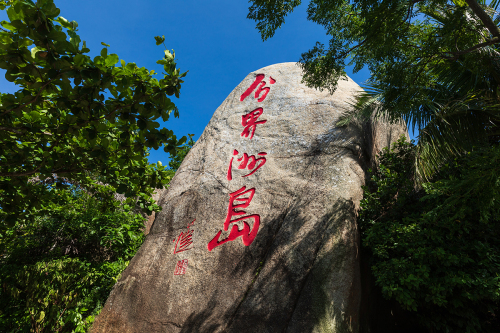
column 258, row 230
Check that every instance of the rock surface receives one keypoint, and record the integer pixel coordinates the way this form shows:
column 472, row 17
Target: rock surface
column 293, row 266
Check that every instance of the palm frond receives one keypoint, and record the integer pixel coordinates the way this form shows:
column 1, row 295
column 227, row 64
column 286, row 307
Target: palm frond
column 366, row 104
column 454, row 102
column 459, row 111
column 457, row 128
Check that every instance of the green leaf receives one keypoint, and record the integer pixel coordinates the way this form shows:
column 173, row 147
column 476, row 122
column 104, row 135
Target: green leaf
column 64, row 22
column 159, row 40
column 34, row 51
column 79, row 60
column 7, row 25
column 34, row 115
column 105, row 142
column 57, row 35
column 111, row 60
column 25, row 43
column 42, row 316
column 74, row 39
column 104, row 44
column 181, row 141
column 460, row 3
column 14, row 14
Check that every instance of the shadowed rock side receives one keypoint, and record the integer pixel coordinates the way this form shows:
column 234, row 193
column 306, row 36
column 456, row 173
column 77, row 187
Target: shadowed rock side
column 301, row 272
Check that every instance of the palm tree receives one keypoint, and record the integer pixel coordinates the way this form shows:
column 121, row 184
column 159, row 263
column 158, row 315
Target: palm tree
column 455, row 103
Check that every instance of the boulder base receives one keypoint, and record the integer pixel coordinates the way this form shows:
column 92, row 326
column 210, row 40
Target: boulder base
column 258, row 230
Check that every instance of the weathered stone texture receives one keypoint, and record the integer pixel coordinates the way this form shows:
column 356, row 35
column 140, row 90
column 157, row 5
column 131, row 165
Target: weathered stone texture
column 301, row 272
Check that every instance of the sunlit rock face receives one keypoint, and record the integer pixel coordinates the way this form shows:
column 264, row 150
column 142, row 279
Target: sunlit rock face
column 258, row 230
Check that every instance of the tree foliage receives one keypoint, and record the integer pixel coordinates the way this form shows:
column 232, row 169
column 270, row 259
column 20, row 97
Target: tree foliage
column 433, row 63
column 77, row 131
column 391, row 37
column 74, row 115
column 436, row 250
column 57, row 269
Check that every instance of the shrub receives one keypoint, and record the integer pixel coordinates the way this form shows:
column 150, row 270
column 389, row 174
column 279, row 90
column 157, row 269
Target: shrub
column 436, row 249
column 57, row 269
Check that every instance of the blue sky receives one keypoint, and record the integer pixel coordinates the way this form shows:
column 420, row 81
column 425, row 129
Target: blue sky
column 212, row 39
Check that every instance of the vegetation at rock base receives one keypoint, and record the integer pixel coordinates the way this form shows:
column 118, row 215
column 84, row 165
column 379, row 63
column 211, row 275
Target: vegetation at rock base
column 177, row 159
column 436, row 250
column 76, row 132
column 57, row 269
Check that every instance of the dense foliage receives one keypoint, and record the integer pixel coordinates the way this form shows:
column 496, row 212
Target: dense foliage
column 399, row 40
column 58, row 269
column 436, row 250
column 434, row 64
column 74, row 114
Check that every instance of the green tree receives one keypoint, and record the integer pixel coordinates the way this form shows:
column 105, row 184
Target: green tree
column 433, row 63
column 58, row 269
column 436, row 250
column 76, row 119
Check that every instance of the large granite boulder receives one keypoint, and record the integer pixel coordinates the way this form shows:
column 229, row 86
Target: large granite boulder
column 258, row 230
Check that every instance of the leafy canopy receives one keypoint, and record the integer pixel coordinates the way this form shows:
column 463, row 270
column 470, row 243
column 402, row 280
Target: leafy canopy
column 74, row 115
column 433, row 63
column 391, row 37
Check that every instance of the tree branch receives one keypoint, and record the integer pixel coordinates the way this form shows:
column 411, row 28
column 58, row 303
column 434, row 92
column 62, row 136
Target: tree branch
column 34, row 99
column 473, row 48
column 10, row 130
column 484, row 17
column 20, row 174
column 346, row 53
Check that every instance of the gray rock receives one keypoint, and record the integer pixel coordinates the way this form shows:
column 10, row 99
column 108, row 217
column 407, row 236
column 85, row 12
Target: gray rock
column 298, row 270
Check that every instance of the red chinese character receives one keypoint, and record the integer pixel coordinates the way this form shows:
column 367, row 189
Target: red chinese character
column 255, row 163
column 184, row 240
column 181, row 267
column 249, row 121
column 260, row 89
column 247, row 235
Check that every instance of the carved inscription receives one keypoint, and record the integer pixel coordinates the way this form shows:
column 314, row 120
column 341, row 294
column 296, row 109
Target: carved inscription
column 184, row 240
column 181, row 267
column 249, row 122
column 246, row 234
column 249, row 162
column 240, row 199
column 261, row 92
